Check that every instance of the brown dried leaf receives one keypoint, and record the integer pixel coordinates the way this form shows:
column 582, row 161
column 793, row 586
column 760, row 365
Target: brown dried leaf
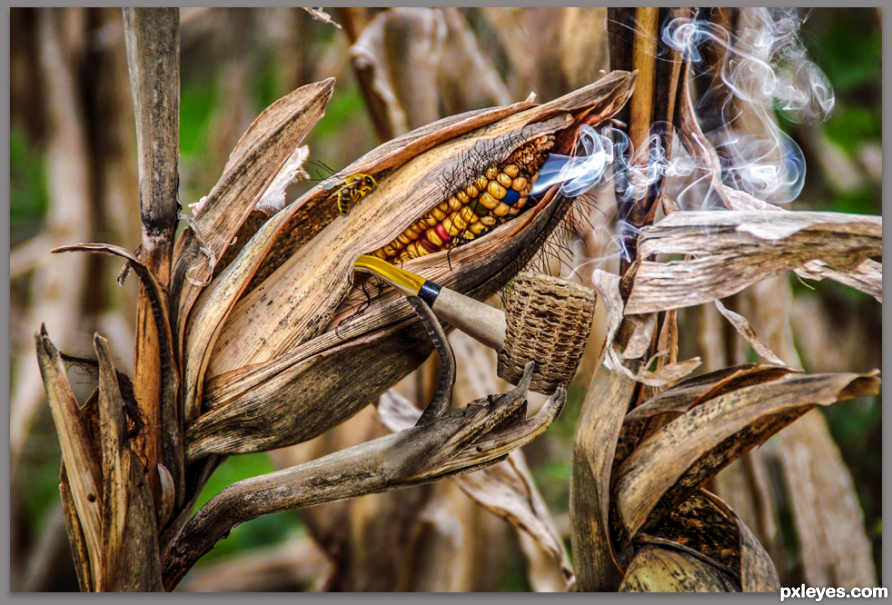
column 694, row 391
column 254, row 163
column 757, row 570
column 170, row 420
column 735, row 249
column 84, row 472
column 507, row 489
column 867, row 277
column 683, row 454
column 609, row 396
column 746, row 330
column 640, row 336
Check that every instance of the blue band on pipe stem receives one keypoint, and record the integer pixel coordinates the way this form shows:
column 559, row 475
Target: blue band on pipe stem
column 428, row 292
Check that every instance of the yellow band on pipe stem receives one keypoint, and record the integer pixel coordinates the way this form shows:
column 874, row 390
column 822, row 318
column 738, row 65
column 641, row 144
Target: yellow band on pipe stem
column 408, row 283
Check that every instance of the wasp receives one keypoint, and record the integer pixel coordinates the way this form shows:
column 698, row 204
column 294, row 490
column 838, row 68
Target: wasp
column 353, row 189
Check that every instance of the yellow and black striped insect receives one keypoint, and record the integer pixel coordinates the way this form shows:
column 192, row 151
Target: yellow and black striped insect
column 352, row 190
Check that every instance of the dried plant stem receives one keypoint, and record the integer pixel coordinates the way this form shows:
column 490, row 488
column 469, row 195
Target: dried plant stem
column 152, row 37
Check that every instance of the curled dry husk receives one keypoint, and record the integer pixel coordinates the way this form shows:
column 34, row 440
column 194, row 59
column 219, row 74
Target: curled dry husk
column 266, row 358
column 692, row 431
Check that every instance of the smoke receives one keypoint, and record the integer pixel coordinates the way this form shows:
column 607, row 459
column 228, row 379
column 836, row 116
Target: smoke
column 766, row 70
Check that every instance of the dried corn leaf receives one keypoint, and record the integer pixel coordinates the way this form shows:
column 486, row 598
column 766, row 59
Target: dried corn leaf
column 680, row 456
column 757, row 570
column 735, row 249
column 638, row 341
column 867, row 277
column 507, row 489
column 692, row 392
column 81, row 461
column 746, row 330
column 254, row 163
column 130, row 535
column 171, row 423
column 609, row 396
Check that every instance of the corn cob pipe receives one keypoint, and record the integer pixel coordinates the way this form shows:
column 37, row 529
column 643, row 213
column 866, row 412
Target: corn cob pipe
column 547, row 320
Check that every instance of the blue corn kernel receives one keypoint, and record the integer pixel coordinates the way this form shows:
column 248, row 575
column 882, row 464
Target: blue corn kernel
column 511, row 197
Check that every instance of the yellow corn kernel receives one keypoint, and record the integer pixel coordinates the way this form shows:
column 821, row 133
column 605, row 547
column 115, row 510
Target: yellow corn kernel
column 496, row 190
column 468, row 214
column 462, row 197
column 519, row 184
column 449, row 225
column 491, row 172
column 428, row 220
column 511, row 170
column 444, row 207
column 521, row 203
column 433, row 238
column 472, row 191
column 454, row 202
column 501, row 209
column 477, row 228
column 488, row 201
column 468, row 235
column 380, row 253
column 403, row 238
column 504, row 180
column 481, row 183
column 438, row 214
column 514, row 211
column 488, row 221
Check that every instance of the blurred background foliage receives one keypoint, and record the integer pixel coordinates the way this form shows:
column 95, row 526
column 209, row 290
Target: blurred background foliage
column 235, row 62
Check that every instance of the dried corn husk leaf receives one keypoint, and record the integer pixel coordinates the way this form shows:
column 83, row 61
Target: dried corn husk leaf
column 83, row 470
column 746, row 330
column 829, row 520
column 507, row 489
column 252, row 166
column 641, row 333
column 660, row 569
column 316, row 279
column 736, row 249
column 129, row 532
column 171, row 423
column 757, row 570
column 680, row 456
column 609, row 396
column 867, row 277
column 79, row 550
column 694, row 391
